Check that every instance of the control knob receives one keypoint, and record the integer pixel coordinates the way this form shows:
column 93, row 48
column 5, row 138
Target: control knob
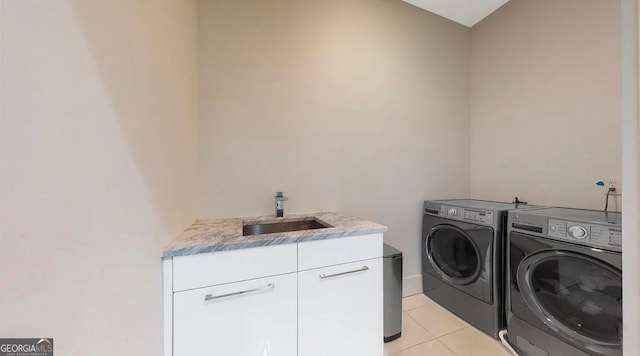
column 453, row 212
column 577, row 232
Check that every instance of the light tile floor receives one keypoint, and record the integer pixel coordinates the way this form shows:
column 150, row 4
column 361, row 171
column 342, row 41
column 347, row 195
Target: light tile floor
column 430, row 330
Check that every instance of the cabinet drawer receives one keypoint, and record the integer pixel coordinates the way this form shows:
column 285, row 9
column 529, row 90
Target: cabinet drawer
column 221, row 267
column 340, row 310
column 256, row 317
column 321, row 253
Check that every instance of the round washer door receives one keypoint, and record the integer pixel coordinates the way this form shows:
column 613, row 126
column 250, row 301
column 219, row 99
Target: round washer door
column 453, row 254
column 576, row 295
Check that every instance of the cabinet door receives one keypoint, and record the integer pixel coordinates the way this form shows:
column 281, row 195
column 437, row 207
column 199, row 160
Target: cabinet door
column 251, row 318
column 340, row 310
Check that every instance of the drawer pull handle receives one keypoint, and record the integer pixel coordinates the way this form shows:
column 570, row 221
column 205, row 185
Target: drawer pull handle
column 210, row 297
column 364, row 268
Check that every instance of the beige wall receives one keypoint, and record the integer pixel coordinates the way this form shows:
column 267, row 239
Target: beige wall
column 631, row 175
column 362, row 107
column 98, row 167
column 545, row 102
column 358, row 106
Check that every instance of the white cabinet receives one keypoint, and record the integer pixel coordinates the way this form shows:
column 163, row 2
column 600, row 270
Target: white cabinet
column 322, row 253
column 312, row 298
column 251, row 318
column 210, row 269
column 340, row 310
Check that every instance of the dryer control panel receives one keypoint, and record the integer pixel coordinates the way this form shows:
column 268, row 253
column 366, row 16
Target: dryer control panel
column 609, row 237
column 474, row 215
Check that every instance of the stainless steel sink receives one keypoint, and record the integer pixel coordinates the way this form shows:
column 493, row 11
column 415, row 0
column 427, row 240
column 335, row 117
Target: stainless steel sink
column 284, row 226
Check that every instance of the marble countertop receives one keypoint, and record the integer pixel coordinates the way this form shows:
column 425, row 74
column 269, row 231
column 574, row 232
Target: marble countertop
column 210, row 235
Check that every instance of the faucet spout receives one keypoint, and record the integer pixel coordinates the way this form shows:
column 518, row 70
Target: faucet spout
column 280, row 199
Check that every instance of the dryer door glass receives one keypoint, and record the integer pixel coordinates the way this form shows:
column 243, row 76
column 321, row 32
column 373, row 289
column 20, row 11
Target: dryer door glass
column 577, row 296
column 453, row 254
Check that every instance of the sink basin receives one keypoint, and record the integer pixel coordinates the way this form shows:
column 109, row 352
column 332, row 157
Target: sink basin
column 284, row 226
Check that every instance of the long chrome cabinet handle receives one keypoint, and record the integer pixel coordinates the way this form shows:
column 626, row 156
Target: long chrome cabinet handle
column 210, row 297
column 364, row 268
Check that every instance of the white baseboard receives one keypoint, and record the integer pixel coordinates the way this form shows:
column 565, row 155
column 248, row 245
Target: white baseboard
column 412, row 285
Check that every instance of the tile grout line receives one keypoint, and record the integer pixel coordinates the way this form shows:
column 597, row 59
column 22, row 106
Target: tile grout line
column 448, row 333
column 421, row 327
column 424, row 342
column 454, row 331
column 428, row 301
column 434, row 337
column 437, row 338
column 473, row 328
column 419, row 306
column 447, row 347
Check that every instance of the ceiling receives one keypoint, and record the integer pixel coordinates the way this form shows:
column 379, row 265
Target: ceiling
column 466, row 12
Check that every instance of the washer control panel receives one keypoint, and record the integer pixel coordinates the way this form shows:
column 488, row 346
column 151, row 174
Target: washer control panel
column 609, row 237
column 474, row 215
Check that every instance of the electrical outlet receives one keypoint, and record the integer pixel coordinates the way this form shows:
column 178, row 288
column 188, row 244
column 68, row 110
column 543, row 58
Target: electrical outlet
column 613, row 183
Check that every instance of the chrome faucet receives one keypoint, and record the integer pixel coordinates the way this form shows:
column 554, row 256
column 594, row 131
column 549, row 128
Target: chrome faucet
column 280, row 199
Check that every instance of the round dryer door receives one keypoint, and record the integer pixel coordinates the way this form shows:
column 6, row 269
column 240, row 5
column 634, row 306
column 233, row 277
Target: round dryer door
column 577, row 296
column 453, row 254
